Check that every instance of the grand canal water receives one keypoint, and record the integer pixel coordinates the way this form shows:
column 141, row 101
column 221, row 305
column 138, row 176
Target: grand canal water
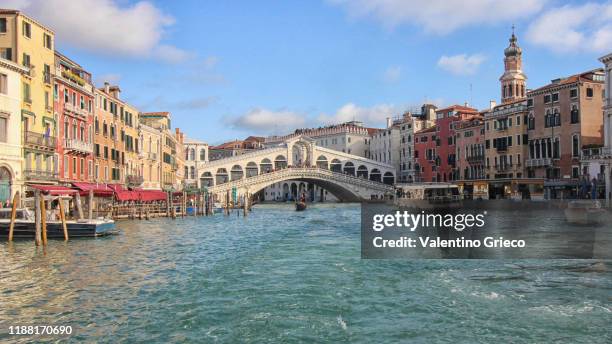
column 286, row 276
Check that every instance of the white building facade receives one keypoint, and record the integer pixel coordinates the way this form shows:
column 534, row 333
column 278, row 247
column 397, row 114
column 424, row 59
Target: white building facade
column 597, row 162
column 196, row 155
column 11, row 176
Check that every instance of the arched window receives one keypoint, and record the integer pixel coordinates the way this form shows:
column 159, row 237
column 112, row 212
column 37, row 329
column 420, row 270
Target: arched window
column 203, row 154
column 575, row 114
column 575, row 145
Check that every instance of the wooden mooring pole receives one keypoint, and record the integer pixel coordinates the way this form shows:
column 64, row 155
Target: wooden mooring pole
column 37, row 233
column 77, row 200
column 13, row 215
column 63, row 219
column 43, row 218
column 90, row 202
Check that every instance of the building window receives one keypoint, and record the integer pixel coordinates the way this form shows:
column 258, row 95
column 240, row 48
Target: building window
column 3, row 84
column 575, row 114
column 3, row 128
column 26, row 93
column 589, row 92
column 546, row 98
column 574, row 93
column 555, row 97
column 6, row 53
column 47, row 42
column 26, row 29
column 575, row 145
column 2, row 25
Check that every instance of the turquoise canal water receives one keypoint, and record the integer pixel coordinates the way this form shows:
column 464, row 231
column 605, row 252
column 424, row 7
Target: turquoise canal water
column 281, row 276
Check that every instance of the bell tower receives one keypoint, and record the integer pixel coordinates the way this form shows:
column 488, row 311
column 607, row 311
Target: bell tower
column 513, row 81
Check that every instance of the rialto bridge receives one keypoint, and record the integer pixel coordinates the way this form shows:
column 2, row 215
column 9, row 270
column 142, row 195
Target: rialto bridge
column 348, row 177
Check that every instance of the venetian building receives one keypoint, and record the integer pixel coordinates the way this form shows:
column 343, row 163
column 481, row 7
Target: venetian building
column 513, row 81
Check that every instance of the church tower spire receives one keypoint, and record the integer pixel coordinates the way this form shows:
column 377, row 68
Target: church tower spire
column 513, row 81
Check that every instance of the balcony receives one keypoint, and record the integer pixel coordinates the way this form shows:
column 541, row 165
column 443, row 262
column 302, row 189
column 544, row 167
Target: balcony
column 76, row 109
column 38, row 140
column 476, row 159
column 134, row 180
column 78, row 146
column 544, row 162
column 503, row 167
column 39, row 175
column 599, row 153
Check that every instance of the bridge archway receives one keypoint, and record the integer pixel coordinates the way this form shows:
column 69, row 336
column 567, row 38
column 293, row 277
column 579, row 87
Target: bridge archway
column 251, row 169
column 375, row 175
column 207, row 179
column 322, row 162
column 221, row 177
column 388, row 178
column 335, row 166
column 236, row 173
column 265, row 165
column 290, row 190
column 300, row 153
column 362, row 171
column 349, row 168
column 280, row 162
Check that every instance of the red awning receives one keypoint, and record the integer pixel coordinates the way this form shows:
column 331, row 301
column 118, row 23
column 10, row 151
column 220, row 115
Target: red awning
column 99, row 190
column 126, row 195
column 152, row 195
column 54, row 190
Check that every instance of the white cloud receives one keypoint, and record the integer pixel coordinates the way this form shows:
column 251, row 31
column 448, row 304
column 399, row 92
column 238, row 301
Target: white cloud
column 374, row 116
column 441, row 16
column 461, row 64
column 107, row 26
column 392, row 74
column 569, row 28
column 266, row 121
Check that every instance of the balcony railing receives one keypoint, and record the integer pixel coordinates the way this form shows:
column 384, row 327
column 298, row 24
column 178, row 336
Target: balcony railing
column 597, row 153
column 539, row 162
column 75, row 109
column 78, row 146
column 503, row 167
column 39, row 175
column 476, row 159
column 38, row 139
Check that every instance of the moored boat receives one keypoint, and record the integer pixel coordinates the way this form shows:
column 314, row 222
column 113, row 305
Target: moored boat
column 25, row 227
column 299, row 206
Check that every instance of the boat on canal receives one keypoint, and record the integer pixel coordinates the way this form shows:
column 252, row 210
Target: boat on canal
column 428, row 195
column 25, row 226
column 300, row 205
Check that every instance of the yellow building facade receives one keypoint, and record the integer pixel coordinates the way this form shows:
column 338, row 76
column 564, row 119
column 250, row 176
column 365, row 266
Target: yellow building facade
column 31, row 45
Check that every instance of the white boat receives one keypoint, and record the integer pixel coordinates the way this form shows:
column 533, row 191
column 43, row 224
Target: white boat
column 25, row 226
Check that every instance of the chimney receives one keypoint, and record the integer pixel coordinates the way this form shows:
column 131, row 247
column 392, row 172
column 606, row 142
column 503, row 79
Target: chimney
column 492, row 104
column 466, row 104
column 106, row 87
column 389, row 122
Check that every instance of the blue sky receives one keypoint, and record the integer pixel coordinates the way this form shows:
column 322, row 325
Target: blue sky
column 228, row 69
